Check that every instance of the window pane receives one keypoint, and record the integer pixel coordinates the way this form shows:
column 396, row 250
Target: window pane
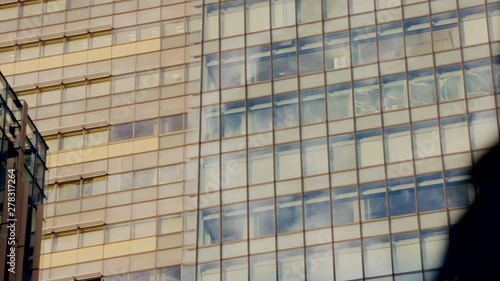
column 289, row 213
column 445, row 32
column 209, row 173
column 260, row 165
column 335, row 8
column 68, row 191
column 397, row 144
column 434, row 245
column 373, row 201
column 98, row 40
column 401, row 196
column 261, row 218
column 172, row 123
column 99, row 88
column 234, row 222
column 418, row 36
column 478, row 80
column 234, row 169
column 143, row 228
column 430, row 192
column 284, row 59
column 75, row 44
column 310, row 53
column 314, row 157
column 258, row 64
column 360, row 6
column 286, row 113
column 210, row 123
column 49, row 96
column 426, row 139
column 450, row 82
column 148, row 31
column 144, row 177
column 117, row 232
column 259, row 115
column 169, row 274
column 283, row 13
column 291, row 263
column 7, row 55
column 71, row 141
column 52, row 48
column 394, row 92
column 473, row 26
column 121, row 132
column 339, row 101
column 65, row 241
column 235, row 269
column 232, row 68
column 317, row 206
column 459, row 189
column 364, row 46
column 94, row 186
column 319, row 263
column 390, row 41
column 170, row 174
column 263, row 267
column 122, row 36
column 145, row 128
column 119, row 182
column 96, row 137
column 337, row 52
column 233, row 119
column 377, row 256
column 345, row 205
column 257, row 15
column 231, row 18
column 287, row 161
column 454, row 134
column 494, row 21
column 312, row 106
column 342, row 153
column 406, row 252
column 209, row 227
column 370, row 148
column 143, row 276
column 421, row 86
column 483, row 129
column 367, row 96
column 211, row 24
column 26, row 52
column 348, row 265
column 169, row 224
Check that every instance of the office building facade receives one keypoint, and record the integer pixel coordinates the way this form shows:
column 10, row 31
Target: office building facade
column 254, row 140
column 23, row 153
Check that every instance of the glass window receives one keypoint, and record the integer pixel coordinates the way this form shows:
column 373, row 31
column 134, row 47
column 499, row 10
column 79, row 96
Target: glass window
column 312, row 106
column 99, row 88
column 284, row 59
column 260, row 165
column 209, row 227
column 210, row 123
column 261, row 218
column 263, row 267
column 370, row 148
column 421, row 86
column 364, row 46
column 319, row 260
column 286, row 111
column 170, row 174
column 119, row 182
column 496, row 73
column 232, row 68
column 52, row 48
column 121, row 132
column 124, row 83
column 101, row 39
column 234, row 222
column 434, row 245
column 259, row 115
column 7, row 55
column 337, row 50
column 210, row 72
column 310, row 53
column 49, row 96
column 211, row 24
column 308, row 11
column 494, row 21
column 169, row 224
column 174, row 27
column 426, row 139
column 94, row 186
column 283, row 13
column 287, row 161
column 373, row 201
column 314, row 157
column 68, row 191
column 233, row 119
column 450, row 82
column 172, row 123
column 397, row 144
column 335, row 8
column 257, row 15
column 459, row 189
column 473, row 26
column 172, row 75
column 258, row 64
column 143, row 228
column 122, row 36
column 394, row 92
column 360, row 6
column 234, row 169
column 30, row 51
column 291, row 265
column 390, row 41
column 142, row 276
column 339, row 101
column 454, row 134
column 483, row 129
column 231, row 18
column 117, row 232
column 65, row 241
column 145, row 128
column 345, row 205
column 367, row 96
column 377, row 256
column 150, row 31
column 430, row 192
column 348, row 264
column 209, row 173
column 169, row 274
column 317, row 206
column 144, row 177
column 77, row 43
column 401, row 196
column 96, row 137
column 445, row 32
column 342, row 153
column 235, row 269
column 406, row 252
column 71, row 141
column 478, row 80
column 209, row 271
column 289, row 213
column 418, row 36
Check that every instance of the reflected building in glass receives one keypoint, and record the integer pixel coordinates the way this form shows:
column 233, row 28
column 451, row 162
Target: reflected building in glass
column 255, row 140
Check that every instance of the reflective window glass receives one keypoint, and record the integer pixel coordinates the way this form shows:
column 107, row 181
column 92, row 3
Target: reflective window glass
column 445, row 32
column 234, row 169
column 257, row 15
column 394, row 94
column 235, row 269
column 234, row 222
column 314, row 157
column 337, row 50
column 459, row 189
column 426, row 139
column 430, row 192
column 473, row 26
column 170, row 174
column 364, row 46
column 211, row 24
column 348, row 264
column 145, row 128
column 483, row 129
column 454, row 134
column 291, row 263
column 263, row 267
column 284, row 59
column 210, row 72
column 421, row 87
column 258, row 64
column 209, row 227
column 283, row 13
column 259, row 115
column 261, row 218
column 169, row 224
column 122, row 36
column 209, row 173
column 287, row 161
column 68, row 191
column 390, row 41
column 144, row 177
column 7, row 55
column 172, row 123
column 232, row 68
column 360, row 6
column 434, row 245
column 71, row 141
column 342, row 153
column 401, row 196
column 119, row 182
column 168, row 274
column 286, row 113
column 101, row 39
column 367, row 96
column 339, row 101
column 450, row 82
column 289, row 213
column 397, row 144
column 210, row 123
column 335, row 8
column 77, row 43
column 209, row 271
column 377, row 256
column 345, row 205
column 406, row 252
column 312, row 106
column 317, row 206
column 30, row 51
column 370, row 148
column 94, row 186
column 143, row 228
column 117, row 232
column 418, row 36
column 310, row 54
column 121, row 132
column 494, row 21
column 65, row 241
column 231, row 18
column 319, row 260
column 373, row 201
column 51, row 48
column 478, row 80
column 260, row 165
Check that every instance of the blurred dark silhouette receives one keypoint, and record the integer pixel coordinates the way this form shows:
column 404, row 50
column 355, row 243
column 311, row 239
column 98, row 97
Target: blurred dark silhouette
column 473, row 252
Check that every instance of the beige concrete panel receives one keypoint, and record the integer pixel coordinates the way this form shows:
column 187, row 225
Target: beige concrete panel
column 45, row 261
column 50, row 62
column 123, row 50
column 26, row 66
column 171, row 156
column 8, row 69
column 95, row 153
column 63, row 258
column 169, row 257
column 52, row 160
column 172, row 106
column 116, row 249
column 75, row 58
column 99, row 54
column 148, row 46
column 142, row 261
column 142, row 245
column 145, row 145
column 120, row 149
column 173, row 57
column 71, row 157
column 90, row 254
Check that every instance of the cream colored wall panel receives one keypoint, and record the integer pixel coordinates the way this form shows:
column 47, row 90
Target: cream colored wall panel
column 142, row 245
column 71, row 157
column 169, row 257
column 172, row 106
column 171, row 156
column 8, row 69
column 142, row 262
column 123, row 50
column 50, row 62
column 75, row 58
column 26, row 66
column 52, row 160
column 45, row 261
column 63, row 258
column 120, row 149
column 149, row 45
column 90, row 254
column 172, row 57
column 145, row 145
column 95, row 153
column 116, row 249
column 99, row 54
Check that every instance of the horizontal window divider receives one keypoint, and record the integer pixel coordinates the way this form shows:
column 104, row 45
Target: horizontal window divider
column 82, row 277
column 80, row 127
column 69, row 80
column 75, row 226
column 75, row 177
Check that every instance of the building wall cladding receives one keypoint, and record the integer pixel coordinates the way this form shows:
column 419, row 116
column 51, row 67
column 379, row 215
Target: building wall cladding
column 261, row 140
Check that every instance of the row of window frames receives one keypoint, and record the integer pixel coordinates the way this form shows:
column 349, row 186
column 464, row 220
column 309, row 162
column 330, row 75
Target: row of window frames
column 163, row 274
column 127, row 131
column 112, row 233
column 112, row 183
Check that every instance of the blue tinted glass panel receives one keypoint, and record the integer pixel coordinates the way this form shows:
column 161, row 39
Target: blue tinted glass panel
column 406, row 253
column 445, row 34
column 210, row 72
column 233, row 119
column 373, row 200
column 208, row 232
column 310, row 53
column 450, row 82
column 232, row 68
column 314, row 157
column 421, row 87
column 367, row 96
column 319, row 261
column 434, row 245
column 235, row 269
column 317, row 209
column 287, row 161
column 394, row 92
column 390, row 41
column 261, row 218
column 284, row 59
column 258, row 64
column 209, row 271
column 210, row 123
column 286, row 111
column 339, row 101
column 342, row 153
column 312, row 104
column 345, row 205
column 418, row 36
column 459, row 189
column 430, row 192
column 364, row 46
column 478, row 80
column 263, row 267
column 348, row 263
column 291, row 265
column 289, row 213
column 401, row 196
column 377, row 256
column 337, row 50
column 259, row 115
